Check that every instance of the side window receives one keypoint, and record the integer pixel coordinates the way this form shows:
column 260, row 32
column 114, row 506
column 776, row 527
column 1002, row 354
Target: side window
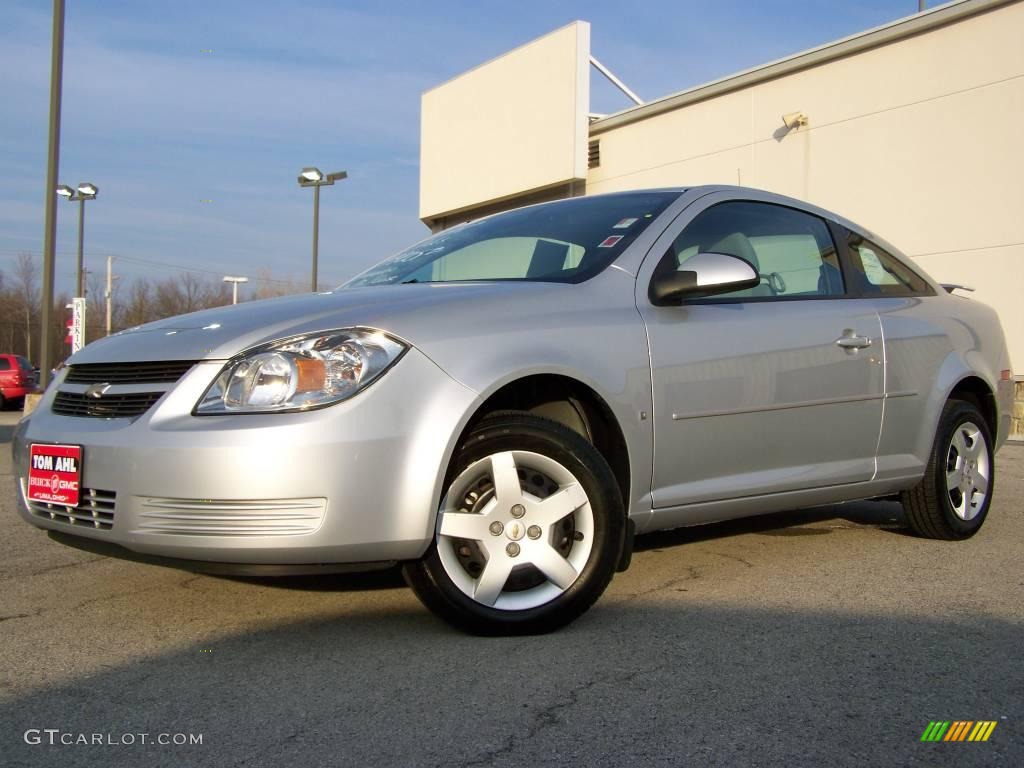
column 791, row 250
column 882, row 274
column 5, row 364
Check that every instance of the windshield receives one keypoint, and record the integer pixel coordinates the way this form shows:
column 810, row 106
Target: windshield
column 568, row 241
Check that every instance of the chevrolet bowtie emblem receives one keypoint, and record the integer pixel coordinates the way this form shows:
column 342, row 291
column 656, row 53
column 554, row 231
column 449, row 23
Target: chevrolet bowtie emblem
column 97, row 390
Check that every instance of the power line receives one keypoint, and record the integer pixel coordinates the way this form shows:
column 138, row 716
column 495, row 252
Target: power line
column 148, row 262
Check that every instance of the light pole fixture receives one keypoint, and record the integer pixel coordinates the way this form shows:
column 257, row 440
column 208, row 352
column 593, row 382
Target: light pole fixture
column 85, row 191
column 313, row 177
column 235, row 280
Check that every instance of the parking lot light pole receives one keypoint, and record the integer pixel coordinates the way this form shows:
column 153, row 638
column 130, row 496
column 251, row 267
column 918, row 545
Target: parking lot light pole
column 235, row 280
column 50, row 218
column 312, row 177
column 85, row 191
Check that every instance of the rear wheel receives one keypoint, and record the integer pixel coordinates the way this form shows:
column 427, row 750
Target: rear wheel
column 953, row 497
column 528, row 533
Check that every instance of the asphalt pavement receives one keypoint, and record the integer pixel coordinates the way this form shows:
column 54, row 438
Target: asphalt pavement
column 824, row 637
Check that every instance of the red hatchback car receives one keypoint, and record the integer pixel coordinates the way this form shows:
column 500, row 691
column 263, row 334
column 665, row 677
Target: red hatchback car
column 17, row 379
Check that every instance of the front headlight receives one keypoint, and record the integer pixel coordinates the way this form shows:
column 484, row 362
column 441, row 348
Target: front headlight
column 301, row 373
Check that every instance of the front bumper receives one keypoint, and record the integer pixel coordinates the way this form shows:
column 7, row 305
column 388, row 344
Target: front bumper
column 356, row 482
column 17, row 392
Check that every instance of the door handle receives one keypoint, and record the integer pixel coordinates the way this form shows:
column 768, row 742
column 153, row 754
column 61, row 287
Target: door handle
column 851, row 341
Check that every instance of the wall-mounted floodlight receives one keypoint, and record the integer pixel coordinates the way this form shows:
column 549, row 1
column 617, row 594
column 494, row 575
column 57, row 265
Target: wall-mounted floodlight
column 313, row 177
column 793, row 120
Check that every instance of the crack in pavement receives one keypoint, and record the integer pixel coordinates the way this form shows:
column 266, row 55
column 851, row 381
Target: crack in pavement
column 692, row 574
column 103, row 598
column 68, row 565
column 734, row 557
column 20, row 616
column 547, row 717
column 282, row 742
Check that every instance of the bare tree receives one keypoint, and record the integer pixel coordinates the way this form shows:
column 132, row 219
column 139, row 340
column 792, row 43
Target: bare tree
column 25, row 285
column 139, row 307
column 267, row 286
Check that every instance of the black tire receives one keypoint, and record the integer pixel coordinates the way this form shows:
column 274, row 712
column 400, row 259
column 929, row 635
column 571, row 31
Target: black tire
column 521, row 431
column 928, row 506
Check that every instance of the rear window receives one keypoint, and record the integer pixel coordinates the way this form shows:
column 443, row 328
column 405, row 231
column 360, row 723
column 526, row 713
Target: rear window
column 881, row 273
column 24, row 364
column 567, row 242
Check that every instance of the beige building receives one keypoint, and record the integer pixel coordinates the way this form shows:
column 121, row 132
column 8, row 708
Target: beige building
column 914, row 129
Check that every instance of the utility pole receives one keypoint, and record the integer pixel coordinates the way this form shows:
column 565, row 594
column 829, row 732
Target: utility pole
column 52, row 161
column 110, row 286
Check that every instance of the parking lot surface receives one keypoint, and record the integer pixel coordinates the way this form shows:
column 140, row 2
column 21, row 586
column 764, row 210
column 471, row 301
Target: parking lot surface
column 811, row 638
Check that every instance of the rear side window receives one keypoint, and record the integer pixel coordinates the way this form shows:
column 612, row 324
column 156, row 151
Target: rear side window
column 881, row 273
column 5, row 364
column 791, row 250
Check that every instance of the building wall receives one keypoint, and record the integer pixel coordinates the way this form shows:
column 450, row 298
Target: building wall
column 920, row 140
column 514, row 125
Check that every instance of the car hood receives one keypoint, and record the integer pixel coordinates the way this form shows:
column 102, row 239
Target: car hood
column 416, row 313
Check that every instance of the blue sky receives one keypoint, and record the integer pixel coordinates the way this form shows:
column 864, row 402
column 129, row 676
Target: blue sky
column 160, row 126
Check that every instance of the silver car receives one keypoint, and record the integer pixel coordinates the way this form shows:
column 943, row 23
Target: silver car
column 503, row 406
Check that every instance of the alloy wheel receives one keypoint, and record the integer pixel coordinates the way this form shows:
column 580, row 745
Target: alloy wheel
column 967, row 471
column 515, row 530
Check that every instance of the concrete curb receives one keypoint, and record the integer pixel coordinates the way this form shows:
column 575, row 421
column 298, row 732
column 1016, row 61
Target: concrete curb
column 31, row 401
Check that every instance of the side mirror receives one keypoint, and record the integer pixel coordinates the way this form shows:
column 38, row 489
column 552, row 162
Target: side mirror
column 706, row 274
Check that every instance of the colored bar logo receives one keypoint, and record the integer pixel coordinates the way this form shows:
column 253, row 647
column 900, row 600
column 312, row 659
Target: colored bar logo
column 958, row 730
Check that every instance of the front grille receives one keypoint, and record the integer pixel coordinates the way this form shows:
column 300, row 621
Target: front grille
column 105, row 407
column 166, row 372
column 95, row 509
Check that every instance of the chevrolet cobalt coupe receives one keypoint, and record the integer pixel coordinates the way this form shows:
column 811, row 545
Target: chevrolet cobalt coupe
column 503, row 406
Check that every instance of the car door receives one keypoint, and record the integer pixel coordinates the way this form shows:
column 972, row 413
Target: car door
column 919, row 336
column 771, row 389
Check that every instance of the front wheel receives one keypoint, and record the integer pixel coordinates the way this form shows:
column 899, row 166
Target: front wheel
column 528, row 533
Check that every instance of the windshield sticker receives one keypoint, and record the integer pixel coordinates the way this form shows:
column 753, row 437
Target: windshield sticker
column 873, row 269
column 609, row 241
column 625, row 224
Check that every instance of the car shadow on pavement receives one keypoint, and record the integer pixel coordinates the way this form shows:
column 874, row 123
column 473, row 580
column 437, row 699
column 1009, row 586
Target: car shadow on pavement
column 884, row 515
column 665, row 681
column 389, row 578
